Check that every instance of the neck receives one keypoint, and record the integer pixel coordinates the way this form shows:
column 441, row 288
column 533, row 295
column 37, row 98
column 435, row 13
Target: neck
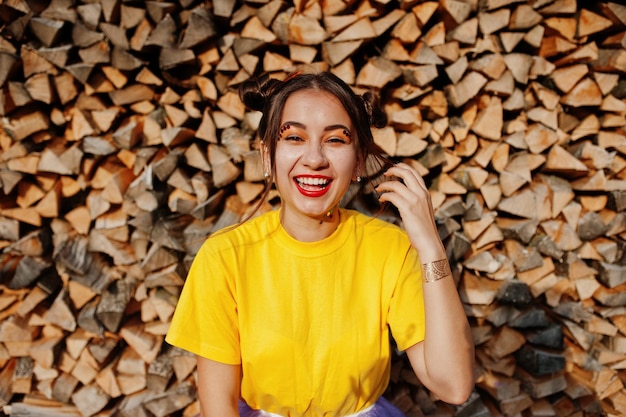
column 311, row 229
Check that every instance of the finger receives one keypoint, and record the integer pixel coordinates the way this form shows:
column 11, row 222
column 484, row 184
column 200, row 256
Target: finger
column 396, row 187
column 394, row 198
column 414, row 174
column 408, row 174
column 404, row 198
column 410, row 185
column 400, row 188
column 417, row 219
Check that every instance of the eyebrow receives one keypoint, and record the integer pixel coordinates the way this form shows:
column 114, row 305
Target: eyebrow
column 326, row 129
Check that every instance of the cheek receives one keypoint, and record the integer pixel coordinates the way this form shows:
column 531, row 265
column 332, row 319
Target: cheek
column 347, row 161
column 284, row 163
column 285, row 157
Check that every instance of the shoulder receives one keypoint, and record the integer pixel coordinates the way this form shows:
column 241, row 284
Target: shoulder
column 372, row 224
column 247, row 233
column 382, row 246
column 376, row 229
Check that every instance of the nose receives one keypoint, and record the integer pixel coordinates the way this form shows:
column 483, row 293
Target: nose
column 315, row 156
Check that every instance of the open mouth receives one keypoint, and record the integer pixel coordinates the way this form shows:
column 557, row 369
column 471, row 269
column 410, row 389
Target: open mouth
column 312, row 186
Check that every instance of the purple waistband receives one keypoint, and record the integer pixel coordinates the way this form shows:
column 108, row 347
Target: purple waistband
column 381, row 408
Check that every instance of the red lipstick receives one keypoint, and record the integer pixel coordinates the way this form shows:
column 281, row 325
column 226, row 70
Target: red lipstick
column 312, row 186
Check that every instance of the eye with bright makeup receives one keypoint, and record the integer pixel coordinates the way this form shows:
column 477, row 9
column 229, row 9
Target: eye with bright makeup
column 339, row 136
column 332, row 135
column 290, row 133
column 292, row 138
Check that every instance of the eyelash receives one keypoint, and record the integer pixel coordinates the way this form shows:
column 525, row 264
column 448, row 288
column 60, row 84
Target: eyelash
column 333, row 139
column 336, row 139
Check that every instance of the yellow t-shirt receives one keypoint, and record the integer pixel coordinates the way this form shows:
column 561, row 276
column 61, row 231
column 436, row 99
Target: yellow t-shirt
column 308, row 321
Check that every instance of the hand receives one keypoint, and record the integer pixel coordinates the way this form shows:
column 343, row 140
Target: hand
column 412, row 198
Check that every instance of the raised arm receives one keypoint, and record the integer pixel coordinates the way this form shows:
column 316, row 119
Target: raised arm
column 218, row 388
column 444, row 361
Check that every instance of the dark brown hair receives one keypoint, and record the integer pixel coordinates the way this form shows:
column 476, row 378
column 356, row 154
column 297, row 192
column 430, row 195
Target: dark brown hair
column 268, row 95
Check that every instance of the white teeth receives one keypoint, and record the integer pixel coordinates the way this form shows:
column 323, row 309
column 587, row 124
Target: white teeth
column 312, row 181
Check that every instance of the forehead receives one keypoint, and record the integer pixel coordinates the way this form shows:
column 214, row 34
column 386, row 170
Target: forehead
column 315, row 106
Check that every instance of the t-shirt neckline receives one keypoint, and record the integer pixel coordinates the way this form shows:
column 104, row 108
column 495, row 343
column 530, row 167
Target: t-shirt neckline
column 317, row 248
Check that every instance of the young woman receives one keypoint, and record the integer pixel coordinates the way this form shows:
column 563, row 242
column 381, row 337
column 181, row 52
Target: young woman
column 290, row 313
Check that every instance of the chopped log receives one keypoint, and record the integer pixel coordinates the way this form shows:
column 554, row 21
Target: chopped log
column 19, row 409
column 407, row 29
column 590, row 23
column 512, row 112
column 9, row 64
column 542, row 362
column 159, row 374
column 585, row 93
column 484, row 126
column 467, row 88
column 90, row 399
column 336, row 52
column 174, row 399
column 519, row 65
column 305, row 30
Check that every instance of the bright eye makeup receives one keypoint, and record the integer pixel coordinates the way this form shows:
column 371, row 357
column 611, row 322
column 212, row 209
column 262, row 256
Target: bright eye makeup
column 289, row 132
column 332, row 134
column 340, row 136
column 284, row 128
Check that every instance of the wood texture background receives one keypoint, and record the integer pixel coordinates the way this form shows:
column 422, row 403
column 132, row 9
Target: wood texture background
column 124, row 145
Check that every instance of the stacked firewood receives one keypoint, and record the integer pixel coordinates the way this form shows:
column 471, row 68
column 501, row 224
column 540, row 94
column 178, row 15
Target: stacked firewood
column 124, row 145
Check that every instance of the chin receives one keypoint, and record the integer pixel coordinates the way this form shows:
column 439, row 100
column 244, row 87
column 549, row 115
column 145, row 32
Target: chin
column 318, row 212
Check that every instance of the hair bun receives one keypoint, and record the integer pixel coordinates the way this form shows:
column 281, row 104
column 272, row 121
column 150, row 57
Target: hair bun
column 255, row 92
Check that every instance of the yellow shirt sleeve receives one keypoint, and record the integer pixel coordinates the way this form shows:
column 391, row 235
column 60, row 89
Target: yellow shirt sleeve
column 205, row 321
column 406, row 310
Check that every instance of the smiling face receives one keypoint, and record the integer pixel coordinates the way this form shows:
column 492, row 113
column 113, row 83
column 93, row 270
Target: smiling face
column 316, row 156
